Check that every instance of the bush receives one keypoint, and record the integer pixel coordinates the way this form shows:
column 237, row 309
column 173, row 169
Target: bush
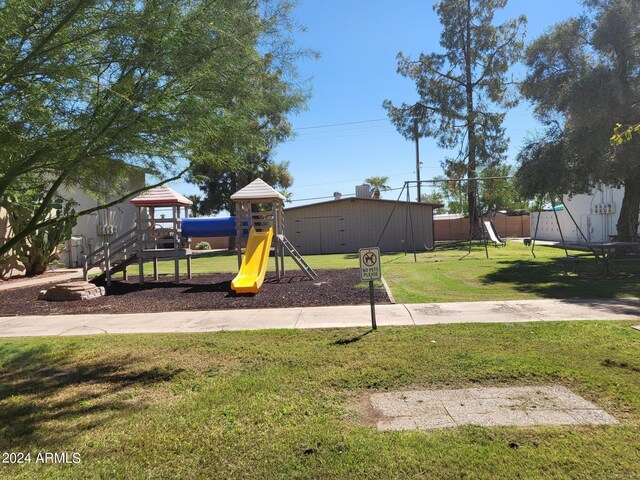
column 202, row 246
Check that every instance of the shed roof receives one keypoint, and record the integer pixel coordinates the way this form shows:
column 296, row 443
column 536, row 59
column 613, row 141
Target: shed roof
column 379, row 201
column 161, row 196
column 257, row 190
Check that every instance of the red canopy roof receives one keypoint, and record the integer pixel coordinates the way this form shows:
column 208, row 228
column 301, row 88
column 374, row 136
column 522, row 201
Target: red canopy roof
column 162, row 196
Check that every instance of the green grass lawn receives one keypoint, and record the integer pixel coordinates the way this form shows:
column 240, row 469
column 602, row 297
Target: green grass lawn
column 510, row 273
column 281, row 404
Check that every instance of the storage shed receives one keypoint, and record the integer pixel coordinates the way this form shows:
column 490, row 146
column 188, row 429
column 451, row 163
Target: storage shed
column 347, row 224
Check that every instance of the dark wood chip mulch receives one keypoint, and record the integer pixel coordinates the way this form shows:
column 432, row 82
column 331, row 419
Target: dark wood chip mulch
column 202, row 292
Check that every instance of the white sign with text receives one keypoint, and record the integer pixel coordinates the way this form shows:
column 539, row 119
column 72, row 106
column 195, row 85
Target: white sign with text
column 370, row 263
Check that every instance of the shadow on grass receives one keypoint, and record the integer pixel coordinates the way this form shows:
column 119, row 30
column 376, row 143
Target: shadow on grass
column 215, row 254
column 347, row 341
column 46, row 400
column 548, row 279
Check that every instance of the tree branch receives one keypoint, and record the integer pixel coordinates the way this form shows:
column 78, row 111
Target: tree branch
column 40, row 46
column 12, row 242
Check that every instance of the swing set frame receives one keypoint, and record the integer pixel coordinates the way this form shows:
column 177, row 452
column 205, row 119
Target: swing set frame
column 409, row 218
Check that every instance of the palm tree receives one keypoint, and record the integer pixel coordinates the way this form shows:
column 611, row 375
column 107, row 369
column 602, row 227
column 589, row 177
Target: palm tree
column 196, row 199
column 288, row 196
column 378, row 184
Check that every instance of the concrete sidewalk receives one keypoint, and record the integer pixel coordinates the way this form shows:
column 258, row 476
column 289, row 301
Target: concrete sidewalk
column 62, row 276
column 322, row 317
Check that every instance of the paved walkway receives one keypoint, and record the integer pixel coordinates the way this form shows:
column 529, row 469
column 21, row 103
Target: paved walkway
column 64, row 275
column 322, row 317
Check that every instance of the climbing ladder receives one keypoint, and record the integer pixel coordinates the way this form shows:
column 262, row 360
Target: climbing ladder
column 304, row 266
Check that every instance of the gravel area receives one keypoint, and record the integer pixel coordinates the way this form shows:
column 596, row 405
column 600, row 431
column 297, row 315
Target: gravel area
column 202, row 292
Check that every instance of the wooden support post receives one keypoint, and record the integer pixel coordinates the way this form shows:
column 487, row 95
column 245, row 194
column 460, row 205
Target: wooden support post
column 282, row 270
column 175, row 211
column 140, row 244
column 141, row 271
column 85, row 269
column 107, row 263
column 276, row 249
column 124, row 271
column 150, row 225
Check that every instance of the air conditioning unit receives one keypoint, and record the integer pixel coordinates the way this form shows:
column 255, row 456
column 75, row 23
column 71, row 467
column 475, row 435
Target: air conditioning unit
column 363, row 191
column 604, row 208
column 105, row 230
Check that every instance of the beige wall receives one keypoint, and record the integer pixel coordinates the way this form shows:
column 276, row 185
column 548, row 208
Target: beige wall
column 122, row 215
column 344, row 226
column 458, row 228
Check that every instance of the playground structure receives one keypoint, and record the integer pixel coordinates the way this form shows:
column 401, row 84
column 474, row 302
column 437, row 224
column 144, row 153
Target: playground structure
column 261, row 209
column 154, row 236
column 157, row 237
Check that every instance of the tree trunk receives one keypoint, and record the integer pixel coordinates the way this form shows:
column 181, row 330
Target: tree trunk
column 35, row 265
column 627, row 225
column 472, row 165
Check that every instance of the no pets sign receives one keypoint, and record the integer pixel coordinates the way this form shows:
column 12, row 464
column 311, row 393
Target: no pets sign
column 370, row 263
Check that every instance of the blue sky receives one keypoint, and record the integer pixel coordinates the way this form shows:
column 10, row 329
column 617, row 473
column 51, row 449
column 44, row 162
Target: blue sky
column 358, row 42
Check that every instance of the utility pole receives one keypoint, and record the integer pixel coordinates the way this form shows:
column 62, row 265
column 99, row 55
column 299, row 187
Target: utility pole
column 415, row 135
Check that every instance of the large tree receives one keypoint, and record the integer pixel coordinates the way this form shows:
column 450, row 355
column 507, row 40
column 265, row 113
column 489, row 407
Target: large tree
column 219, row 184
column 584, row 78
column 498, row 190
column 89, row 88
column 463, row 92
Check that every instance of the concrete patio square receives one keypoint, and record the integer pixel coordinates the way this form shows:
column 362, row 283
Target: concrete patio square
column 505, row 406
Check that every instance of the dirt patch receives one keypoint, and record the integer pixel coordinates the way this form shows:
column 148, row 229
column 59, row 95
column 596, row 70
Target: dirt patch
column 202, row 292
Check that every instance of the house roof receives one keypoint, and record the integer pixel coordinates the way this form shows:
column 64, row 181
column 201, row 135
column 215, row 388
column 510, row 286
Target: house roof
column 360, row 199
column 257, row 190
column 161, row 196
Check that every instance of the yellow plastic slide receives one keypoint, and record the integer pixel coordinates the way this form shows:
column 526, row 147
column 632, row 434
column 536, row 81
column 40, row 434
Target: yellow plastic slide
column 254, row 262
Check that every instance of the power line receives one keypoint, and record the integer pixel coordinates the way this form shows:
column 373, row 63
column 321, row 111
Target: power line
column 340, row 124
column 458, row 179
column 347, row 181
column 346, row 195
column 319, row 198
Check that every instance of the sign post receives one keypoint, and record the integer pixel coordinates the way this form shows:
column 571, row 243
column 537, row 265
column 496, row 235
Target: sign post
column 369, row 271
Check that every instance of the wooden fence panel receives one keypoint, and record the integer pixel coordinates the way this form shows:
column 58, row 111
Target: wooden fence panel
column 458, row 228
